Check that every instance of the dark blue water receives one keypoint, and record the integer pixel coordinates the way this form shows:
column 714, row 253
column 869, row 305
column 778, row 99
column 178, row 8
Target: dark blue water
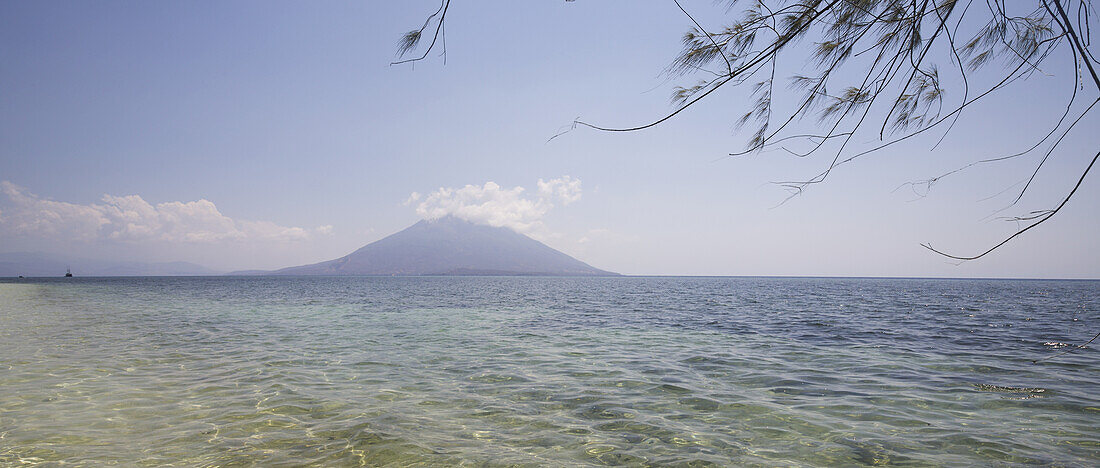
column 548, row 371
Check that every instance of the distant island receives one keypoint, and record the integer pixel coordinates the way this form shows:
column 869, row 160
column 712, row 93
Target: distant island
column 446, row 246
column 449, row 246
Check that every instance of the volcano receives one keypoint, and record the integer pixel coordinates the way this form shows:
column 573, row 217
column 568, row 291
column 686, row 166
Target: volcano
column 452, row 246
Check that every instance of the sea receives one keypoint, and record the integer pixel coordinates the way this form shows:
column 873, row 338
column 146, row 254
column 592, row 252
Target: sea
column 534, row 371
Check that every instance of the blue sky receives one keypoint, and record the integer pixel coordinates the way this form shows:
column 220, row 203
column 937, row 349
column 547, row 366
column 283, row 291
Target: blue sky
column 288, row 120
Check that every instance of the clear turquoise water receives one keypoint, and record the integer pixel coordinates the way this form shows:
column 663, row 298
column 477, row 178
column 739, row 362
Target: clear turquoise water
column 547, row 371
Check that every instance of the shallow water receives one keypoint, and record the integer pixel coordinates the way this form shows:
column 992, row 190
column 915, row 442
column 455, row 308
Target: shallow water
column 547, row 371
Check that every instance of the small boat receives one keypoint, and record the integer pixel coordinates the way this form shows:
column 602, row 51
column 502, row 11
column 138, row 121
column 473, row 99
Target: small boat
column 68, row 272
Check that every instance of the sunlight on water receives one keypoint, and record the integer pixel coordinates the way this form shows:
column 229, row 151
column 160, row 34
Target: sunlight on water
column 547, row 371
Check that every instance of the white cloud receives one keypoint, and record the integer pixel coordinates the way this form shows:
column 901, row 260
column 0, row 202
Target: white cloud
column 132, row 219
column 565, row 188
column 496, row 206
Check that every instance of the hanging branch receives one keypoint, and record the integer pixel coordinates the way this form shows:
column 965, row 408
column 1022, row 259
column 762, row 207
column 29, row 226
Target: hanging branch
column 901, row 93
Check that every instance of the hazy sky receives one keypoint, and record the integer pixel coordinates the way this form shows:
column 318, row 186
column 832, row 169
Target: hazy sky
column 267, row 134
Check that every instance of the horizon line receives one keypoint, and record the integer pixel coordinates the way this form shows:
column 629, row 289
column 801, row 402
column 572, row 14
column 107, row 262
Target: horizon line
column 228, row 275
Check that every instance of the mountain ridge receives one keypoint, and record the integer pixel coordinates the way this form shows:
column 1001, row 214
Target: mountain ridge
column 452, row 247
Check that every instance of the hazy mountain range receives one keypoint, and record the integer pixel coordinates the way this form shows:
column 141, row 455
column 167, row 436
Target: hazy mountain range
column 450, row 246
column 42, row 264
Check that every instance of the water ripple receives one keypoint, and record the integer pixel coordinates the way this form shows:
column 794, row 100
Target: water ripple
column 547, row 371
